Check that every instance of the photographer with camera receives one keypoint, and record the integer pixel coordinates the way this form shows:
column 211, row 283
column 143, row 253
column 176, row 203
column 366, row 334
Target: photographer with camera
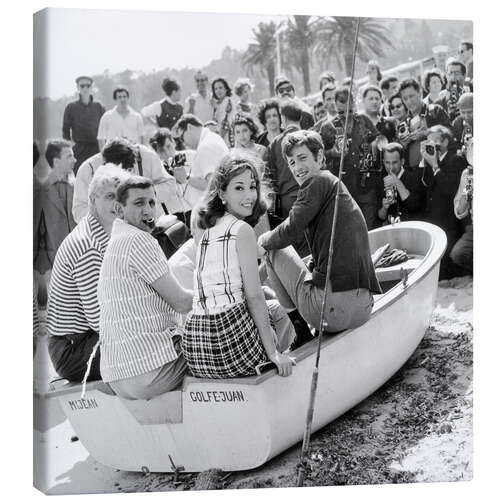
column 463, row 125
column 421, row 117
column 361, row 175
column 462, row 252
column 442, row 170
column 455, row 75
column 403, row 195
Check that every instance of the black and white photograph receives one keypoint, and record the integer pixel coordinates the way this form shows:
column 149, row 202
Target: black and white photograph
column 252, row 249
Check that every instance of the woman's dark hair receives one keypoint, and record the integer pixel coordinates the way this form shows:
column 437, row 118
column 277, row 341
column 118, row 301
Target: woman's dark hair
column 246, row 119
column 169, row 86
column 226, row 85
column 264, row 106
column 232, row 164
column 407, row 83
column 396, row 96
column 159, row 138
column 371, row 88
column 429, row 75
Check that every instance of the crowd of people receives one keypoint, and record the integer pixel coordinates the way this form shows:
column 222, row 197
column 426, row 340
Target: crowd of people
column 193, row 237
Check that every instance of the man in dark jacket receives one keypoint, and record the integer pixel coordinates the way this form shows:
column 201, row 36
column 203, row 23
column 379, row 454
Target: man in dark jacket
column 421, row 117
column 441, row 176
column 81, row 122
column 352, row 279
column 403, row 195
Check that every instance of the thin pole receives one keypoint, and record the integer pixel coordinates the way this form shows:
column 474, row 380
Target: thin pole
column 315, row 374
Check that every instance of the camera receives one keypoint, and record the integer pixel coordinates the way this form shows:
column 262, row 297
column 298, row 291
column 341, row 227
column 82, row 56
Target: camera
column 179, row 160
column 390, row 195
column 403, row 129
column 431, row 149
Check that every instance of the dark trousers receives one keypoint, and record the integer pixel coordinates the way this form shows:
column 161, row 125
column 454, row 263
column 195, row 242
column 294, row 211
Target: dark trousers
column 83, row 151
column 70, row 353
column 462, row 252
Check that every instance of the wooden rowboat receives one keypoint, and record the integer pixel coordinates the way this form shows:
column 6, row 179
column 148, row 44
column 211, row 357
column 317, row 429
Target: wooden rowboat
column 238, row 424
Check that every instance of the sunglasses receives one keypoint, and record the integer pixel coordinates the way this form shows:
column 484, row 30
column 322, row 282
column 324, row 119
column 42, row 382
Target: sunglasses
column 281, row 90
column 85, row 85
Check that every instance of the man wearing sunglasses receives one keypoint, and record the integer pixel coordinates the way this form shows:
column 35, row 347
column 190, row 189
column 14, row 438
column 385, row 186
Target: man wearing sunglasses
column 285, row 90
column 81, row 122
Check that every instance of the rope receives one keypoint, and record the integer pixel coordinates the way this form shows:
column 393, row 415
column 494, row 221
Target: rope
column 315, row 374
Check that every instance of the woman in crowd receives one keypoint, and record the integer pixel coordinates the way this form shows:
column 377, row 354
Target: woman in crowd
column 397, row 108
column 242, row 88
column 433, row 84
column 224, row 109
column 270, row 117
column 228, row 332
column 245, row 133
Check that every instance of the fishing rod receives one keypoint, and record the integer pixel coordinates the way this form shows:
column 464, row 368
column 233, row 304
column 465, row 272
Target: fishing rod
column 314, row 379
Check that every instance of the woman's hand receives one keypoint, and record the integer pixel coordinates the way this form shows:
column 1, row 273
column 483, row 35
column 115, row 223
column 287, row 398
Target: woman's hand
column 284, row 363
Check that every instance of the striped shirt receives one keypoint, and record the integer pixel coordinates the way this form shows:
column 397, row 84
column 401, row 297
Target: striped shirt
column 73, row 307
column 218, row 282
column 137, row 324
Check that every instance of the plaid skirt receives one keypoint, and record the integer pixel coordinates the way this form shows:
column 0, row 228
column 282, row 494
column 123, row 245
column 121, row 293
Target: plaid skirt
column 222, row 345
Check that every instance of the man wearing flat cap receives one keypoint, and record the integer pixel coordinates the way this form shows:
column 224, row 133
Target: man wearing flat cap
column 81, row 122
column 285, row 90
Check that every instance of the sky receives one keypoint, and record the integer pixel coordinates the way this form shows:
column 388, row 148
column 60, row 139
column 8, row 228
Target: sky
column 79, row 41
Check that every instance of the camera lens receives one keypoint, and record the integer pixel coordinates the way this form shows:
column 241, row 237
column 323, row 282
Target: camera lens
column 430, row 149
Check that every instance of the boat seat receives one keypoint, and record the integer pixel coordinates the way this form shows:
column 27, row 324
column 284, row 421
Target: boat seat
column 392, row 273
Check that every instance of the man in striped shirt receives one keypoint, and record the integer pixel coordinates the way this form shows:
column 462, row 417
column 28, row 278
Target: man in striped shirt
column 73, row 309
column 140, row 301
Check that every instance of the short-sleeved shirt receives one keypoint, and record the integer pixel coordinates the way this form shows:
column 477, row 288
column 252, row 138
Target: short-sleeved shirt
column 114, row 124
column 136, row 324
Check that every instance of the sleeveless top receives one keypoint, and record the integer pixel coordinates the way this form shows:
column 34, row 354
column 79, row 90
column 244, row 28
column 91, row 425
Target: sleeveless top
column 217, row 282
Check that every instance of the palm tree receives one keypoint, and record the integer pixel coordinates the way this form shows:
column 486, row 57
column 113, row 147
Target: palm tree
column 300, row 38
column 336, row 39
column 262, row 51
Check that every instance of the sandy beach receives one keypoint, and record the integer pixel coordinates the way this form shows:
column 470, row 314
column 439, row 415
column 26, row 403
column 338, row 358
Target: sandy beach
column 416, row 428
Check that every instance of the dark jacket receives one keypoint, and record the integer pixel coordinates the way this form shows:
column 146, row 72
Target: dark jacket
column 57, row 214
column 312, row 213
column 170, row 113
column 441, row 189
column 279, row 175
column 81, row 121
column 306, row 120
column 413, row 208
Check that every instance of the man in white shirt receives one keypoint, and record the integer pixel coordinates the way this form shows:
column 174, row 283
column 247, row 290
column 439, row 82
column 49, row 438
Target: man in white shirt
column 137, row 160
column 210, row 148
column 199, row 103
column 121, row 121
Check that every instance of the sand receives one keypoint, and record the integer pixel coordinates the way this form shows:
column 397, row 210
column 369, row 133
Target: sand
column 415, row 428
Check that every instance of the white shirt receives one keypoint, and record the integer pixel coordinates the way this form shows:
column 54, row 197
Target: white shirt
column 152, row 168
column 209, row 153
column 113, row 124
column 202, row 108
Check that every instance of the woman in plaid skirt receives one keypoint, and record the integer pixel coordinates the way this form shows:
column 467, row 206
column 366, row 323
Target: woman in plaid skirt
column 228, row 332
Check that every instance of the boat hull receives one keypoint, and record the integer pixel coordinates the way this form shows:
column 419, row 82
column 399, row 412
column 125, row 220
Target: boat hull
column 242, row 423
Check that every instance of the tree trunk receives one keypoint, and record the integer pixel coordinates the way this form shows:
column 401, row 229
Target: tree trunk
column 305, row 72
column 270, row 77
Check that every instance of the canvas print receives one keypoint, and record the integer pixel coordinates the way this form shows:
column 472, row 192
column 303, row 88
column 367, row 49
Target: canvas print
column 253, row 255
